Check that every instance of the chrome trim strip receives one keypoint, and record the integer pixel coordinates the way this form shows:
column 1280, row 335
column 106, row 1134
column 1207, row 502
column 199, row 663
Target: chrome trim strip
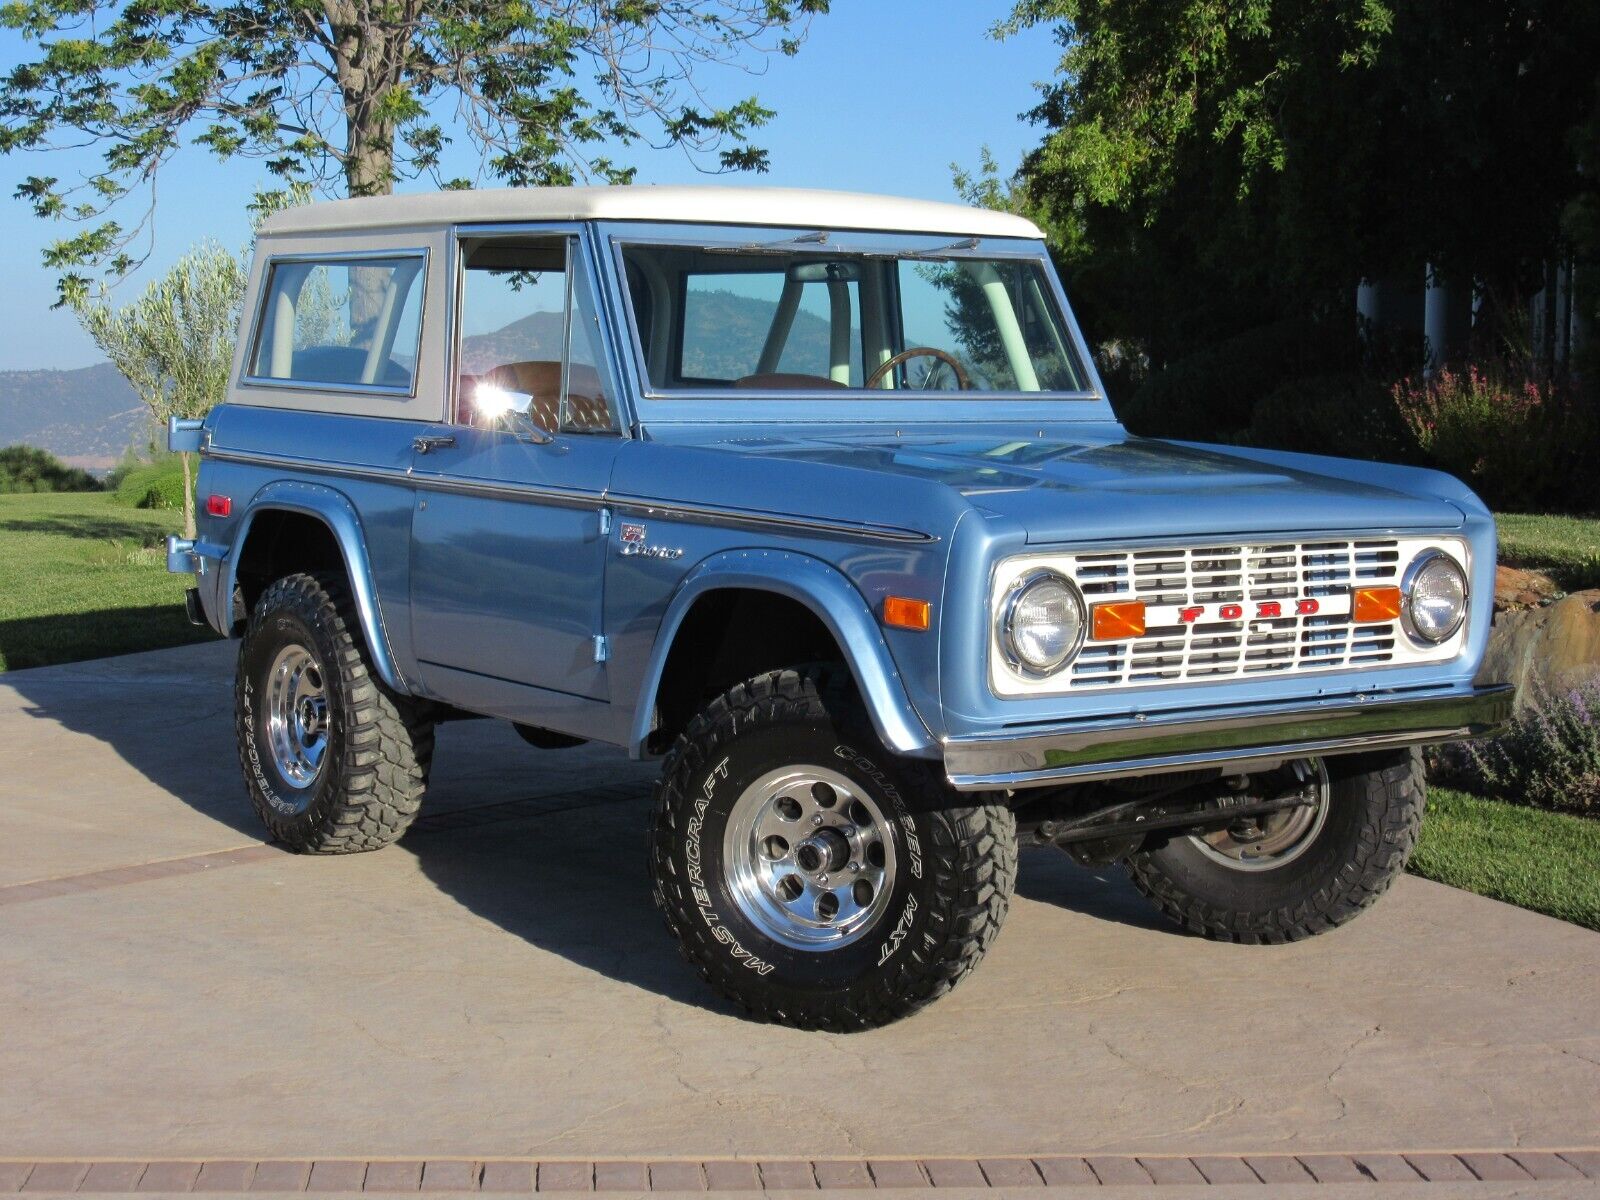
column 668, row 510
column 660, row 509
column 1109, row 748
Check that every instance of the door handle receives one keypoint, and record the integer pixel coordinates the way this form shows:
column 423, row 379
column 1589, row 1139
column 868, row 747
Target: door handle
column 424, row 445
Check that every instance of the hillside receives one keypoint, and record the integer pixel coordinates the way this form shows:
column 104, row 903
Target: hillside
column 88, row 416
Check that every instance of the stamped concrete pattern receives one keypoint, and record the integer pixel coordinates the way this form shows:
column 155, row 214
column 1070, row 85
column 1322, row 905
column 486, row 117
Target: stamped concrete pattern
column 492, row 1005
column 344, row 1176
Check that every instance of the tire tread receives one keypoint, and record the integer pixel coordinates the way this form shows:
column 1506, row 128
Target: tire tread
column 973, row 857
column 388, row 738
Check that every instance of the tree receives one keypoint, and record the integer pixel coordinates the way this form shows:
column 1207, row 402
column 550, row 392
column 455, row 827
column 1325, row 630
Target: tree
column 359, row 92
column 1232, row 162
column 175, row 342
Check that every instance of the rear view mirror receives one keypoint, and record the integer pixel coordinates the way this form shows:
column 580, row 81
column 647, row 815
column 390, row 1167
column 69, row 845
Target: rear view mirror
column 824, row 272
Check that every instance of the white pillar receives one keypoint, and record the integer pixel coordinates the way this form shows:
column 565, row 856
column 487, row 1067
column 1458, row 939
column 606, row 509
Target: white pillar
column 1446, row 320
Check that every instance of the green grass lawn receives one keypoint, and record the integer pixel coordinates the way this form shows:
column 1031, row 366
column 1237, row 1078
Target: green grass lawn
column 1548, row 862
column 81, row 577
column 1565, row 548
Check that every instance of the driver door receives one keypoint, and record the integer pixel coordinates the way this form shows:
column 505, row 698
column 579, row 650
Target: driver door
column 508, row 545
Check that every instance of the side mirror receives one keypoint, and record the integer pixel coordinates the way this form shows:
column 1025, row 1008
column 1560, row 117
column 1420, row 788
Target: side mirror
column 504, row 408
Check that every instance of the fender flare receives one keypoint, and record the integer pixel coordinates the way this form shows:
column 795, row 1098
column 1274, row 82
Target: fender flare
column 836, row 603
column 335, row 511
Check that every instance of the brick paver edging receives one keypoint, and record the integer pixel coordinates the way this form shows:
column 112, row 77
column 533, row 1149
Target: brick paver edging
column 347, row 1175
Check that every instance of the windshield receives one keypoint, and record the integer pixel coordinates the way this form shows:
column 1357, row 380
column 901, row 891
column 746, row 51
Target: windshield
column 803, row 318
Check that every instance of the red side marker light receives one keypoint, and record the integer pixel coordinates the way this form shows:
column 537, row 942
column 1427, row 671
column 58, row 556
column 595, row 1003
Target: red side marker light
column 219, row 506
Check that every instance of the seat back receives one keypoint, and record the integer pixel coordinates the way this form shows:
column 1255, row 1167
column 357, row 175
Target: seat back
column 587, row 410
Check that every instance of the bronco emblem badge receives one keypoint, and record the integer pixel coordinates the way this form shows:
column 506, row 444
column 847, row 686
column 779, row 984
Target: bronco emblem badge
column 634, row 545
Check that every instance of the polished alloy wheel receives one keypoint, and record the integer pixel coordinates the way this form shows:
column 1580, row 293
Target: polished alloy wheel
column 809, row 858
column 296, row 716
column 1263, row 843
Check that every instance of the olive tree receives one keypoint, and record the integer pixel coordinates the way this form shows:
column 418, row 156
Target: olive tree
column 174, row 343
column 355, row 94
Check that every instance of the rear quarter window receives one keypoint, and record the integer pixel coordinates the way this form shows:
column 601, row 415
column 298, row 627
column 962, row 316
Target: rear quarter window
column 345, row 323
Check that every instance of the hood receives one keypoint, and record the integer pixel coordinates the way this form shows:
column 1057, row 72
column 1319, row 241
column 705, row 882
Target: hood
column 1108, row 484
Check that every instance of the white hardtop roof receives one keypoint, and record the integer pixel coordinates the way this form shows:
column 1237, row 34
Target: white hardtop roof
column 791, row 208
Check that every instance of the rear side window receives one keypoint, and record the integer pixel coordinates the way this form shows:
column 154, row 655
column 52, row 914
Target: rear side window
column 341, row 323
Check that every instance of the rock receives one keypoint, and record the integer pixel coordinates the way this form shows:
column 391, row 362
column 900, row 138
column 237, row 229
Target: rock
column 1515, row 588
column 1555, row 647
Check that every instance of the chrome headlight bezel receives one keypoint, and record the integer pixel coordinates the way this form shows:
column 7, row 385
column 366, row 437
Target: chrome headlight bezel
column 1426, row 559
column 1007, row 624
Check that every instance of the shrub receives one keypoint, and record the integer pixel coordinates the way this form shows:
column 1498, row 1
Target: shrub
column 1523, row 443
column 154, row 485
column 1350, row 415
column 1212, row 395
column 29, row 469
column 1549, row 757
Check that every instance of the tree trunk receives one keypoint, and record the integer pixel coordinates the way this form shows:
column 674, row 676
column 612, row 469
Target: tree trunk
column 367, row 57
column 188, row 498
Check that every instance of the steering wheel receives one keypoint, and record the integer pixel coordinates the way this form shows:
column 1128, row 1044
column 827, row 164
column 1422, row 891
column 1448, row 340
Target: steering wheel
column 949, row 360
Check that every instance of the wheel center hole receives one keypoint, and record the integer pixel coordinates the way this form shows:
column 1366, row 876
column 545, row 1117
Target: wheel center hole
column 825, row 850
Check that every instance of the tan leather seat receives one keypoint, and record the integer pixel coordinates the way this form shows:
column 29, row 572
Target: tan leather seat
column 587, row 410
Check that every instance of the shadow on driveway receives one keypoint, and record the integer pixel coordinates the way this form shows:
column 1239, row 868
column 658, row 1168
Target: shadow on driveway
column 549, row 845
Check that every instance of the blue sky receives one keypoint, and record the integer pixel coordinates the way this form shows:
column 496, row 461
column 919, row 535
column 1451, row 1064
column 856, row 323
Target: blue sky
column 884, row 95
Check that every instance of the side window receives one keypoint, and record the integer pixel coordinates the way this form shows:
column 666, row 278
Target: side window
column 524, row 342
column 341, row 323
column 741, row 325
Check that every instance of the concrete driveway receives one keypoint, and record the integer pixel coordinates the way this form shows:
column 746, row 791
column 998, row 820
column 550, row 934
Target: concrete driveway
column 494, row 1002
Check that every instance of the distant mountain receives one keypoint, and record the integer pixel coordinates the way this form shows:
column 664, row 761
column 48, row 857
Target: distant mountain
column 89, row 415
column 534, row 338
column 726, row 332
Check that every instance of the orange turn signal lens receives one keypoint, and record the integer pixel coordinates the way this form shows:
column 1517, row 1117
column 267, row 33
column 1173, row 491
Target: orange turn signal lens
column 905, row 613
column 1118, row 621
column 1371, row 604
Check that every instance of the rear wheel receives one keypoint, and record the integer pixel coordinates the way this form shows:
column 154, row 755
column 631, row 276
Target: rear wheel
column 813, row 878
column 335, row 762
column 1298, row 872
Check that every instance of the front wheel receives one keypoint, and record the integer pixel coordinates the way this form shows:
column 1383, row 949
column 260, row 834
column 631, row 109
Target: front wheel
column 813, row 878
column 1298, row 872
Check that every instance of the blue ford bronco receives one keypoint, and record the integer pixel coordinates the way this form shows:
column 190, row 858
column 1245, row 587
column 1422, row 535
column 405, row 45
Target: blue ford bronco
column 817, row 497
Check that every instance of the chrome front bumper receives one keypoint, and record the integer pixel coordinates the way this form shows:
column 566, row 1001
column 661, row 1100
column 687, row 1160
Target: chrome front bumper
column 1247, row 738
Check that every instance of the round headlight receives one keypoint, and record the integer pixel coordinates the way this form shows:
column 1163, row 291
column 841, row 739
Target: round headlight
column 1435, row 589
column 1043, row 623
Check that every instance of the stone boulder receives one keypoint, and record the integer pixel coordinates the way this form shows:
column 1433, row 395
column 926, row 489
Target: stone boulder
column 1555, row 646
column 1517, row 588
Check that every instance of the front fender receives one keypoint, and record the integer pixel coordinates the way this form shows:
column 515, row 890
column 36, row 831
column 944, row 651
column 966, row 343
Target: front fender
column 335, row 511
column 839, row 606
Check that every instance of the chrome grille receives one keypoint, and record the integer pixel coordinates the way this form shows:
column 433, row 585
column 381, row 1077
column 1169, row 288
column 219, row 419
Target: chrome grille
column 1288, row 572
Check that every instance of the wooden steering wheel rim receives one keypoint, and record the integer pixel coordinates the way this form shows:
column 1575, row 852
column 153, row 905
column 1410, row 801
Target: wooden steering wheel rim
column 911, row 352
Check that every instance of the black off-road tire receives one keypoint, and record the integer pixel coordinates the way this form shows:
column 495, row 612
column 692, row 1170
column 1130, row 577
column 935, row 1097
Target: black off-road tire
column 374, row 769
column 945, row 906
column 1374, row 815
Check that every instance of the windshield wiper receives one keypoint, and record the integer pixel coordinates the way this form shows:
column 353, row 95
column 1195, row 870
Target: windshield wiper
column 815, row 238
column 964, row 244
